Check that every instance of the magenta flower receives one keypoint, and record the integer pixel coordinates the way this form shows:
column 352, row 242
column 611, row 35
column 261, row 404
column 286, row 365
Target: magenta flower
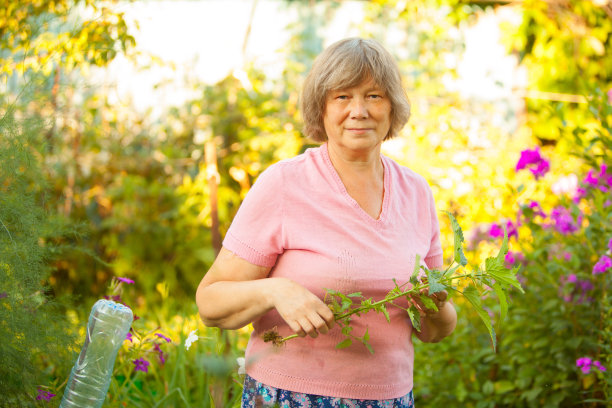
column 572, row 278
column 125, row 280
column 496, row 231
column 161, row 336
column 590, row 179
column 534, row 162
column 141, row 365
column 603, row 264
column 563, row 220
column 44, row 395
column 585, row 364
column 512, row 258
column 599, row 366
column 129, row 337
column 5, row 295
column 610, row 245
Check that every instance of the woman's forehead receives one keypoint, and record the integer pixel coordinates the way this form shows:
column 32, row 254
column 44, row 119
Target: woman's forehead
column 369, row 83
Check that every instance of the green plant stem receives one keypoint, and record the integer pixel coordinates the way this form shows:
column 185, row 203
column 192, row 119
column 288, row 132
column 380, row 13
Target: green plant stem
column 414, row 290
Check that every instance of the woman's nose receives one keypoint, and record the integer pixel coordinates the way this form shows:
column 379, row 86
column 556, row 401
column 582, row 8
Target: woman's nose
column 358, row 108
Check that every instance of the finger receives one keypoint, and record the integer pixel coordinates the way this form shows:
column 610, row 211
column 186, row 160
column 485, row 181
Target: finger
column 442, row 296
column 307, row 327
column 296, row 328
column 319, row 324
column 328, row 316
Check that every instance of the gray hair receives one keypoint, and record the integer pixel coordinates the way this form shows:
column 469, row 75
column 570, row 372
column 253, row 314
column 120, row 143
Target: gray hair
column 345, row 64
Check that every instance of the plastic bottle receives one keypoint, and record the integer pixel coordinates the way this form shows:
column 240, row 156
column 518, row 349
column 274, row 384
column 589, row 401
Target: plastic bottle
column 108, row 325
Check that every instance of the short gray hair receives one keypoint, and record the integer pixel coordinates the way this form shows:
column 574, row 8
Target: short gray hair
column 345, row 64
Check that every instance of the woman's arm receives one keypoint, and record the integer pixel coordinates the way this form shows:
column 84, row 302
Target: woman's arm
column 234, row 292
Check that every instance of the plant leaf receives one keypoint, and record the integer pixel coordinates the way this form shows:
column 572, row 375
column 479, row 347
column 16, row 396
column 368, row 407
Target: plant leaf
column 433, row 279
column 428, row 302
column 472, row 295
column 415, row 317
column 503, row 302
column 458, row 238
column 344, row 344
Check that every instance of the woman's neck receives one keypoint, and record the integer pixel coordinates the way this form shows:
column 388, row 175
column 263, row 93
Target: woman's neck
column 348, row 163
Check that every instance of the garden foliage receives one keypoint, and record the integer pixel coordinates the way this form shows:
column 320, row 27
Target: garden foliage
column 73, row 156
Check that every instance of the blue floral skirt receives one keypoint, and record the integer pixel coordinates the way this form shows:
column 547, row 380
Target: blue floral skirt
column 258, row 395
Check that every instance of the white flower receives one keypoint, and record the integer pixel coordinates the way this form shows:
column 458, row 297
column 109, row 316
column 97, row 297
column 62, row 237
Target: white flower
column 241, row 369
column 565, row 185
column 193, row 337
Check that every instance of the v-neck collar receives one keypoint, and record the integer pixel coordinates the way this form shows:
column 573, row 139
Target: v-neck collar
column 351, row 201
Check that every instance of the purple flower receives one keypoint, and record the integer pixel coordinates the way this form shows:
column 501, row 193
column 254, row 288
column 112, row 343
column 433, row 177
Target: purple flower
column 141, row 365
column 5, row 295
column 572, row 278
column 604, row 263
column 599, row 366
column 564, row 222
column 537, row 209
column 567, row 256
column 532, row 160
column 160, row 353
column 125, row 280
column 161, row 336
column 129, row 337
column 116, row 298
column 610, row 245
column 44, row 395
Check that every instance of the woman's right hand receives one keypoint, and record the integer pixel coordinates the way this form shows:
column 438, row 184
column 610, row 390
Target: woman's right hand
column 302, row 310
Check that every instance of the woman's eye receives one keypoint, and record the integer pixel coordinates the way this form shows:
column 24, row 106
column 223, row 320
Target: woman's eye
column 375, row 96
column 342, row 97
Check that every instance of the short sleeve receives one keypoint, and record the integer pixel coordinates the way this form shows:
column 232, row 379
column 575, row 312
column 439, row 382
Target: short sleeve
column 256, row 231
column 434, row 258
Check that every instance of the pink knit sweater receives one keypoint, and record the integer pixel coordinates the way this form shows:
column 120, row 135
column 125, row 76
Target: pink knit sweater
column 299, row 219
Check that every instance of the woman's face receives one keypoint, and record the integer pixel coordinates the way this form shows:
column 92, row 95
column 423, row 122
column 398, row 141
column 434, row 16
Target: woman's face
column 357, row 118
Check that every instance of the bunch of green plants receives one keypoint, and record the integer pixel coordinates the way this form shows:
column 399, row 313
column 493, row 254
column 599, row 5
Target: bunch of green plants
column 554, row 349
column 491, row 278
column 33, row 328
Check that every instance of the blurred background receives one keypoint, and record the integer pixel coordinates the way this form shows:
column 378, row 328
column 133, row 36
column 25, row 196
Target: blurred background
column 132, row 130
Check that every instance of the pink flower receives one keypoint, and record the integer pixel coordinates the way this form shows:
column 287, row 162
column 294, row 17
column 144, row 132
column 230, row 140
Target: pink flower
column 141, row 365
column 572, row 278
column 603, row 264
column 125, row 280
column 610, row 245
column 129, row 337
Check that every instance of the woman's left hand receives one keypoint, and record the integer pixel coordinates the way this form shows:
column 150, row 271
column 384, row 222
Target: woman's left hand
column 438, row 298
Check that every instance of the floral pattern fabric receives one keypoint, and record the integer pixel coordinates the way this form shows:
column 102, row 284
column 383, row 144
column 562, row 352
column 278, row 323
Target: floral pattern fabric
column 258, row 395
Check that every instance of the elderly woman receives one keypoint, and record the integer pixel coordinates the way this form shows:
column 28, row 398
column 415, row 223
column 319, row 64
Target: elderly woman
column 340, row 216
